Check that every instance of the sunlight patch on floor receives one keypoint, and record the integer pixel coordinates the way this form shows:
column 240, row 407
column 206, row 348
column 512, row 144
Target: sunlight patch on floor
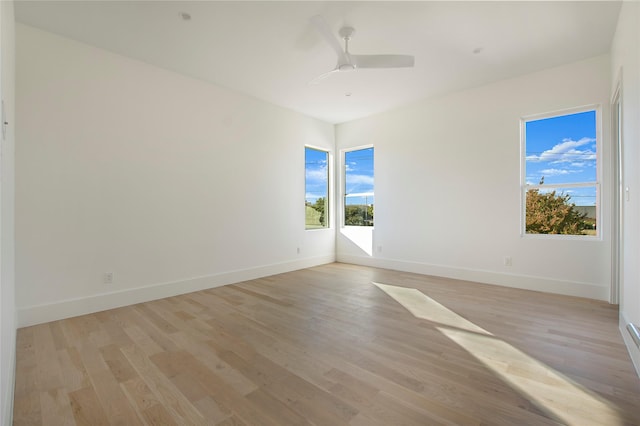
column 424, row 307
column 547, row 388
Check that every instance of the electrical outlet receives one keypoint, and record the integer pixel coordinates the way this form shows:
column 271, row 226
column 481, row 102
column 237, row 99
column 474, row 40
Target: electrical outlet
column 508, row 261
column 107, row 278
column 298, row 250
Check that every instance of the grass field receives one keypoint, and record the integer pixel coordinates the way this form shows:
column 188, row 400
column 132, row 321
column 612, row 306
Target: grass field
column 312, row 218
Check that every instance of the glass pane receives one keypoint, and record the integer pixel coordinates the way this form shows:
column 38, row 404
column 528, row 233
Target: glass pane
column 359, row 195
column 568, row 211
column 561, row 150
column 316, row 188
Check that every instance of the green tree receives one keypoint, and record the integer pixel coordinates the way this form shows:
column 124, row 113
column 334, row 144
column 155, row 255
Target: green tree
column 358, row 215
column 552, row 213
column 319, row 206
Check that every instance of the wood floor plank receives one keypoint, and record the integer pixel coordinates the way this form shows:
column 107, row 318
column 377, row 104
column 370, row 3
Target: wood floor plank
column 212, row 411
column 87, row 409
column 151, row 327
column 208, row 357
column 231, row 421
column 333, row 345
column 162, row 387
column 27, row 409
column 142, row 340
column 113, row 399
column 117, row 363
column 49, row 376
column 276, row 409
column 57, row 333
column 74, row 375
column 26, row 366
column 158, row 415
column 56, row 408
column 226, row 395
column 113, row 326
column 139, row 395
column 106, row 387
column 189, row 387
column 151, row 316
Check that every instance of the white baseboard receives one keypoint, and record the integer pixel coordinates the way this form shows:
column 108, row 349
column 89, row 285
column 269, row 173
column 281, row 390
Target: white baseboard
column 634, row 351
column 548, row 285
column 31, row 315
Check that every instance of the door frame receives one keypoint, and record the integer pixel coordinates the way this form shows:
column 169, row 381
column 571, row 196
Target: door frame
column 618, row 193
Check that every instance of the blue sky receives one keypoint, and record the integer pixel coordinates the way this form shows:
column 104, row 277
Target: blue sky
column 359, row 176
column 316, row 183
column 563, row 150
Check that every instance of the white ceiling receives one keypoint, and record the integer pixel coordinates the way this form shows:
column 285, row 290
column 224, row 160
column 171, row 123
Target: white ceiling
column 270, row 50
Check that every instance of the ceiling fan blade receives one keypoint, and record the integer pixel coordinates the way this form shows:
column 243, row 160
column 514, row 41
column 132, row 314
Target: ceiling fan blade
column 322, row 77
column 323, row 28
column 383, row 61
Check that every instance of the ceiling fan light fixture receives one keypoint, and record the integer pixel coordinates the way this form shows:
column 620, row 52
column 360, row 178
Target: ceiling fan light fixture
column 350, row 62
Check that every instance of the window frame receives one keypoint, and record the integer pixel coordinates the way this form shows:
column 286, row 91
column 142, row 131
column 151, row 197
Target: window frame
column 343, row 184
column 524, row 187
column 328, row 199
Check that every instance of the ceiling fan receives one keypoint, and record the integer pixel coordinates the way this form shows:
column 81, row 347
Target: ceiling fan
column 349, row 62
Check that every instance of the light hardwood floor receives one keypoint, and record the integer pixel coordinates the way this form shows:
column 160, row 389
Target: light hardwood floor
column 333, row 345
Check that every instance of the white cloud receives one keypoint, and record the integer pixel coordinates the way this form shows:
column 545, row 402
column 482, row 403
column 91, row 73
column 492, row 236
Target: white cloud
column 556, row 172
column 316, row 175
column 359, row 180
column 309, row 196
column 566, row 152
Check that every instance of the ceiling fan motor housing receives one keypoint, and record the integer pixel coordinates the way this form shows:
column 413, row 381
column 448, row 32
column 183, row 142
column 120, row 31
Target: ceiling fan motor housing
column 346, row 32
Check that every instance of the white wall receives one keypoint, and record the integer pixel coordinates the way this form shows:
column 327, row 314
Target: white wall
column 625, row 60
column 170, row 183
column 7, row 203
column 447, row 176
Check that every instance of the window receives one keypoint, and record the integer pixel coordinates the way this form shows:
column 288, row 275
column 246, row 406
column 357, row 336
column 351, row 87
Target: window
column 358, row 187
column 560, row 179
column 316, row 201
